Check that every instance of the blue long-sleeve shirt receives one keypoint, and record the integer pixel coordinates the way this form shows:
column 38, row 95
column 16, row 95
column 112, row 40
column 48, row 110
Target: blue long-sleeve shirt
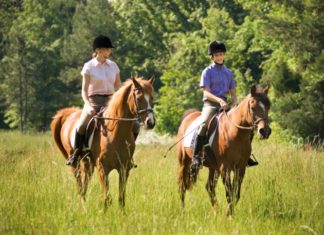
column 218, row 79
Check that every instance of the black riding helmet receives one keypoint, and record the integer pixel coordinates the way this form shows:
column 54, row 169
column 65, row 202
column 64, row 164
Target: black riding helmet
column 216, row 46
column 102, row 42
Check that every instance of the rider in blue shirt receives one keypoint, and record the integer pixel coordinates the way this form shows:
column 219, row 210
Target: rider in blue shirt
column 217, row 82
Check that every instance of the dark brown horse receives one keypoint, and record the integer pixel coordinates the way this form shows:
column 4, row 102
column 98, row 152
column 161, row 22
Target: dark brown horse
column 231, row 147
column 131, row 102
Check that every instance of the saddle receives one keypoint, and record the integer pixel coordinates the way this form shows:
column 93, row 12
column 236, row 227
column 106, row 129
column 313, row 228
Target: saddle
column 93, row 125
column 212, row 129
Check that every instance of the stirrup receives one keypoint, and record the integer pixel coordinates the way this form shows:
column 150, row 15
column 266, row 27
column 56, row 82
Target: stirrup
column 252, row 161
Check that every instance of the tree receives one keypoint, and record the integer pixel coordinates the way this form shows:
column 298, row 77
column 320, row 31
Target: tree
column 294, row 34
column 33, row 64
column 8, row 12
column 181, row 81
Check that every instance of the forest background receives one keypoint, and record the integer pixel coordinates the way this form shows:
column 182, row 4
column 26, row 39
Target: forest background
column 44, row 44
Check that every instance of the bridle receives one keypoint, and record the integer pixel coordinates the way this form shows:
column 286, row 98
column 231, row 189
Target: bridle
column 254, row 122
column 140, row 111
column 137, row 114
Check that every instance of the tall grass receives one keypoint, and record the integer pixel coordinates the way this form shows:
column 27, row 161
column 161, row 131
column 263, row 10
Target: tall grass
column 283, row 195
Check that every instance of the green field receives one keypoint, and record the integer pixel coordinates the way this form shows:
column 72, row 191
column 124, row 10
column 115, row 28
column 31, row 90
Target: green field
column 283, row 195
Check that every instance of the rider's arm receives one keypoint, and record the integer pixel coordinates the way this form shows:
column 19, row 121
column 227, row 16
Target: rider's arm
column 84, row 92
column 209, row 96
column 118, row 83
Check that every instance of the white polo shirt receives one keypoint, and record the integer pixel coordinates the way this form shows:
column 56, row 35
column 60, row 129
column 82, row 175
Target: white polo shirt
column 102, row 76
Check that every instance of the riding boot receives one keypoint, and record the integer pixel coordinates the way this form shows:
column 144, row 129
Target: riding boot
column 251, row 162
column 197, row 160
column 78, row 146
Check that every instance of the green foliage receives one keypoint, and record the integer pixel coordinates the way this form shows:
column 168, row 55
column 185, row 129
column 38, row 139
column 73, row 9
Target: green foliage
column 147, row 28
column 296, row 41
column 33, row 64
column 181, row 83
column 44, row 44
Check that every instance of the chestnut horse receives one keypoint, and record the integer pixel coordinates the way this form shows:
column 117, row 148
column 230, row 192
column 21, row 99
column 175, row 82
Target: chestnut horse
column 230, row 148
column 133, row 101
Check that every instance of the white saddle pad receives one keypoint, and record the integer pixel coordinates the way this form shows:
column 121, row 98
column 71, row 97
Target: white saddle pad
column 190, row 132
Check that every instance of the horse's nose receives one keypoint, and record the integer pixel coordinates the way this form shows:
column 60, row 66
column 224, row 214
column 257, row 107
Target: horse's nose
column 264, row 132
column 149, row 123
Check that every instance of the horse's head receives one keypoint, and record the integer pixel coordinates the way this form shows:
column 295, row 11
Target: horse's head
column 142, row 94
column 259, row 107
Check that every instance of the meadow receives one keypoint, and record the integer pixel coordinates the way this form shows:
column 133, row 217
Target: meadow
column 283, row 195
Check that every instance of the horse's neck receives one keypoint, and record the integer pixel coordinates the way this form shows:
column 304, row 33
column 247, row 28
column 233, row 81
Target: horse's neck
column 120, row 108
column 238, row 116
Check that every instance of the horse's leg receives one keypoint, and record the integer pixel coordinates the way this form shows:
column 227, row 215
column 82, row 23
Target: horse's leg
column 77, row 174
column 226, row 176
column 104, row 182
column 184, row 178
column 182, row 183
column 238, row 179
column 86, row 171
column 182, row 187
column 123, row 176
column 211, row 184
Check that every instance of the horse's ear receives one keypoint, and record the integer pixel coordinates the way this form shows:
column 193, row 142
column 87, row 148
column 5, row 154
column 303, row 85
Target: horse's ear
column 151, row 80
column 266, row 88
column 253, row 90
column 135, row 82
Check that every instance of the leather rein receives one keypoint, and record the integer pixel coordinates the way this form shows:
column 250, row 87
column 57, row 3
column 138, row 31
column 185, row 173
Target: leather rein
column 254, row 122
column 137, row 114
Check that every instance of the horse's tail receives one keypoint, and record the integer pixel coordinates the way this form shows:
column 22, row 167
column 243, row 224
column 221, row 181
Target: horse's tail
column 56, row 126
column 187, row 112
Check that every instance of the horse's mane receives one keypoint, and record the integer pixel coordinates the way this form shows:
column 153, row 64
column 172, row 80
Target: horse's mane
column 116, row 100
column 115, row 106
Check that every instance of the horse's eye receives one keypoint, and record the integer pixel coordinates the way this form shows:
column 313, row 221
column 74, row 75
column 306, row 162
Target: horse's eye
column 253, row 103
column 138, row 91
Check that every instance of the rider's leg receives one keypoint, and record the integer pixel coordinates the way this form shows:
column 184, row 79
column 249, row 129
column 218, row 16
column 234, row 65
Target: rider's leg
column 198, row 145
column 197, row 158
column 79, row 137
column 77, row 146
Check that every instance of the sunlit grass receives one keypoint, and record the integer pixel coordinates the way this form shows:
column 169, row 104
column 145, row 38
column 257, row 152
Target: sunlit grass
column 283, row 195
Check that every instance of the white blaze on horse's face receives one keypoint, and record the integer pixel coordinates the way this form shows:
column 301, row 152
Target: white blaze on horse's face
column 264, row 130
column 259, row 106
column 150, row 119
column 262, row 106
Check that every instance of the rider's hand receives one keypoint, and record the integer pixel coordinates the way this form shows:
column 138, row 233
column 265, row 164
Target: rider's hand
column 224, row 105
column 91, row 110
